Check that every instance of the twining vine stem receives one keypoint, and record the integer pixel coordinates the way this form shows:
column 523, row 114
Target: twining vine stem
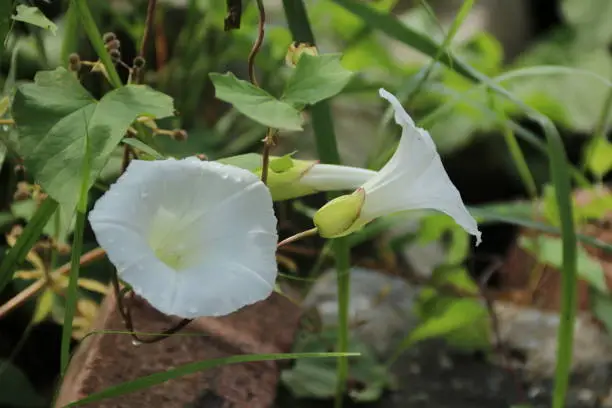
column 271, row 134
column 126, row 314
column 148, row 26
column 258, row 42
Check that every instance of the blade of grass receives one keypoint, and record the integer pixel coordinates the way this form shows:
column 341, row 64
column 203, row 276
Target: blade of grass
column 138, row 144
column 412, row 87
column 558, row 167
column 75, row 261
column 6, row 10
column 488, row 215
column 91, row 29
column 161, row 377
column 521, row 132
column 71, row 34
column 515, row 151
column 462, row 14
column 26, row 240
column 327, row 148
column 397, row 30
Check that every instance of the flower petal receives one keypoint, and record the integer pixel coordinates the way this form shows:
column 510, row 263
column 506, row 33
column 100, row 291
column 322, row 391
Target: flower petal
column 193, row 238
column 330, row 177
column 414, row 178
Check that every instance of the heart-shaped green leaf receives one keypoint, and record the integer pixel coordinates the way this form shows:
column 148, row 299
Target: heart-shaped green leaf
column 256, row 103
column 58, row 120
column 316, row 78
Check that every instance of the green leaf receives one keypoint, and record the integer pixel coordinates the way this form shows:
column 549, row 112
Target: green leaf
column 17, row 391
column 599, row 156
column 4, row 105
column 432, row 228
column 282, row 164
column 548, row 251
column 455, row 276
column 316, row 78
column 601, row 305
column 32, row 15
column 44, row 305
column 256, row 103
column 310, row 378
column 591, row 20
column 55, row 116
column 454, row 315
column 140, row 145
column 248, row 161
column 161, row 377
column 572, row 100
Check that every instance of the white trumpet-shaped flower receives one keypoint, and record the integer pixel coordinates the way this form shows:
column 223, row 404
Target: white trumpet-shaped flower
column 193, row 238
column 414, row 178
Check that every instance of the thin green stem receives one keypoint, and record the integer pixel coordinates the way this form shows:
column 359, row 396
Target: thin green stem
column 515, row 151
column 342, row 254
column 327, row 148
column 71, row 292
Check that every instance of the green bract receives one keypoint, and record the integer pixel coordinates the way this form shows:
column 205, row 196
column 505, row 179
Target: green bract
column 340, row 216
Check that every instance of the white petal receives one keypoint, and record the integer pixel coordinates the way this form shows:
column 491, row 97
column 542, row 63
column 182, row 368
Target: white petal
column 414, row 178
column 193, row 238
column 330, row 177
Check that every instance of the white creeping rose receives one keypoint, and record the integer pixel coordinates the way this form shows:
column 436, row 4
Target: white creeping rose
column 193, row 238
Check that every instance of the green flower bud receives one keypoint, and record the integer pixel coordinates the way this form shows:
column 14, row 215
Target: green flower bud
column 284, row 174
column 340, row 216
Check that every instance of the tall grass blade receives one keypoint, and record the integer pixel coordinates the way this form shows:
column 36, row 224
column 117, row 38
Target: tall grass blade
column 327, row 148
column 158, row 378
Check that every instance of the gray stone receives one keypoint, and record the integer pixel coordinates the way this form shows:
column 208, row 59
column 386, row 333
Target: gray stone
column 381, row 306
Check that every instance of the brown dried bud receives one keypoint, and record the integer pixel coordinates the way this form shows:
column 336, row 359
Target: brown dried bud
column 24, row 190
column 115, row 55
column 113, row 45
column 179, row 134
column 108, row 37
column 139, row 62
column 202, row 157
column 74, row 62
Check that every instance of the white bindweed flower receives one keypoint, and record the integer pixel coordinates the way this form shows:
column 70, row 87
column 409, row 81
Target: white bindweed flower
column 413, row 179
column 193, row 238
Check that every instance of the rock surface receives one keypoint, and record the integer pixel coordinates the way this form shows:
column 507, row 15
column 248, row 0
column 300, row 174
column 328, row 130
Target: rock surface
column 104, row 360
column 380, row 307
